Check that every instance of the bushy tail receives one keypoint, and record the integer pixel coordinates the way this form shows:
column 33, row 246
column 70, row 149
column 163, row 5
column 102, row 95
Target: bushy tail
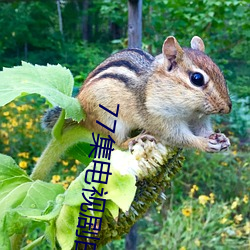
column 50, row 118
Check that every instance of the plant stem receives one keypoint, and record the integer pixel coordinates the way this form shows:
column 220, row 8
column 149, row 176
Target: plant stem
column 52, row 153
column 57, row 147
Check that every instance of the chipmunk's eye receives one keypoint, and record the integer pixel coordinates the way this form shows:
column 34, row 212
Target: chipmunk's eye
column 197, row 79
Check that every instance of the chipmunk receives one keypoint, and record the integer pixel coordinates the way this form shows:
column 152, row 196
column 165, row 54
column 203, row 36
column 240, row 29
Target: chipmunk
column 170, row 97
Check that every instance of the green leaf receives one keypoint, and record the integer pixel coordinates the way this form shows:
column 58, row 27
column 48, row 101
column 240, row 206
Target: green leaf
column 73, row 195
column 49, row 215
column 66, row 226
column 11, row 200
column 121, row 189
column 14, row 223
column 4, row 239
column 39, row 194
column 113, row 208
column 13, row 220
column 50, row 233
column 29, row 200
column 22, row 200
column 6, row 186
column 9, row 168
column 14, row 184
column 80, row 151
column 45, row 216
column 14, row 198
column 53, row 82
column 68, row 218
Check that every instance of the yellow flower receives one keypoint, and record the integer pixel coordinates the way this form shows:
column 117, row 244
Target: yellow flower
column 203, row 199
column 4, row 134
column 73, row 168
column 238, row 159
column 234, row 152
column 6, row 141
column 19, row 108
column 70, row 178
column 23, row 107
column 6, row 149
column 238, row 233
column 187, row 211
column 12, row 105
column 55, row 178
column 211, row 195
column 223, row 220
column 193, row 190
column 77, row 162
column 23, row 164
column 238, row 218
column 65, row 185
column 14, row 123
column 197, row 242
column 247, row 227
column 29, row 124
column 6, row 113
column 24, row 154
column 225, row 207
column 183, row 248
column 224, row 164
column 65, row 163
column 35, row 159
column 223, row 235
column 245, row 199
column 235, row 203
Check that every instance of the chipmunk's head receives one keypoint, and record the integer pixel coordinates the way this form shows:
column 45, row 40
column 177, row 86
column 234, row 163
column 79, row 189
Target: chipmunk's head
column 195, row 72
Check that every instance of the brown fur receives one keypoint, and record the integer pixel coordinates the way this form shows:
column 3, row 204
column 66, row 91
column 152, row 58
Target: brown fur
column 156, row 95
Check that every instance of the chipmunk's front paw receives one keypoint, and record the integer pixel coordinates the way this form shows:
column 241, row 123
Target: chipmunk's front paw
column 141, row 139
column 218, row 142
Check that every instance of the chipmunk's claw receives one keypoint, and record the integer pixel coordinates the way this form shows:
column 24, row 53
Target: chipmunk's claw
column 141, row 139
column 218, row 142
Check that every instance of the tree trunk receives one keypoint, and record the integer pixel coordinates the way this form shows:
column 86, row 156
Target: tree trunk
column 134, row 41
column 135, row 23
column 85, row 20
column 59, row 16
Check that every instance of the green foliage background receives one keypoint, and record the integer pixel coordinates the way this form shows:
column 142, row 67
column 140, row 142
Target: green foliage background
column 30, row 32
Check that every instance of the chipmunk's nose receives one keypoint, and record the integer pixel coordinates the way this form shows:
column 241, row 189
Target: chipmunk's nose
column 227, row 108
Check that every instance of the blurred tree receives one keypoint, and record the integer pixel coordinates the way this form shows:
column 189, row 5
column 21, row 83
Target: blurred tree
column 86, row 21
column 134, row 23
column 58, row 2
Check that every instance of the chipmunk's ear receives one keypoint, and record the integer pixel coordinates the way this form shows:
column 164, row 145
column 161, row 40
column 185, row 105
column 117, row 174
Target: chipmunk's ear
column 171, row 49
column 197, row 43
